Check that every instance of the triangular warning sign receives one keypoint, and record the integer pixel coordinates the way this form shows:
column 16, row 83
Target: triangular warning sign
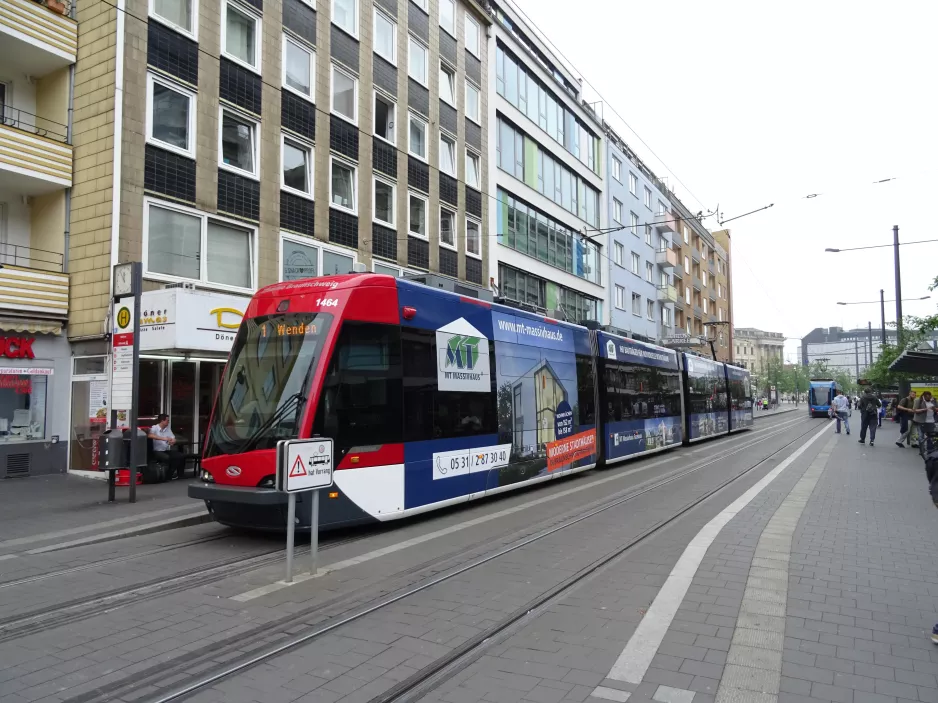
column 298, row 469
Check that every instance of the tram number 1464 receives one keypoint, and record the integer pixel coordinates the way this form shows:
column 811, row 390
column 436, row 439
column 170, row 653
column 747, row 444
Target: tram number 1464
column 466, row 461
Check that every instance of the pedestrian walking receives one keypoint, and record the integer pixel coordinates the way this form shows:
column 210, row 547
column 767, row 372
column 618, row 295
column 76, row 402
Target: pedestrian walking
column 924, row 417
column 868, row 406
column 882, row 411
column 907, row 431
column 840, row 405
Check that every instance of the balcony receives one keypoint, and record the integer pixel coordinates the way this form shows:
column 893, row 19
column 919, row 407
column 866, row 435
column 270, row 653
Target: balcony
column 667, row 294
column 698, row 313
column 695, row 254
column 678, row 272
column 712, row 268
column 664, row 222
column 697, row 284
column 35, row 37
column 34, row 158
column 666, row 258
column 679, row 303
column 32, row 283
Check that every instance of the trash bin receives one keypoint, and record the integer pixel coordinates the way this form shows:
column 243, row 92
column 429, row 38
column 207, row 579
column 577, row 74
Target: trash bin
column 114, row 450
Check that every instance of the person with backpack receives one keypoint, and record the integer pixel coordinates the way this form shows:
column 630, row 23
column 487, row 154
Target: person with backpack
column 868, row 406
column 907, row 430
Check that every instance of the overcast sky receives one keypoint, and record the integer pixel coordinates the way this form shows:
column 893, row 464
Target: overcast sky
column 753, row 103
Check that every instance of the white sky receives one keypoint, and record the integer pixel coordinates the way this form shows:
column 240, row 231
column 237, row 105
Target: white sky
column 754, row 103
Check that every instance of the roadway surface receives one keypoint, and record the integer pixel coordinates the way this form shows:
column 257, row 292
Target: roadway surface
column 716, row 572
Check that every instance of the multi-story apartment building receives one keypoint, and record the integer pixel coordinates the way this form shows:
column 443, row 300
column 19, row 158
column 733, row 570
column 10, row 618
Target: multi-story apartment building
column 702, row 279
column 753, row 349
column 38, row 42
column 640, row 259
column 547, row 172
column 229, row 145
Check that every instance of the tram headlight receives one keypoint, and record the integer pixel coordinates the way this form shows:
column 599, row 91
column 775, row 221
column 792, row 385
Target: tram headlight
column 207, row 477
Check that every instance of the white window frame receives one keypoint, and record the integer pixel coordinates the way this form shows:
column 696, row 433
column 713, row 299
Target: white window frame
column 477, row 222
column 445, row 136
column 426, row 203
column 647, row 197
column 636, row 264
column 650, row 309
column 473, row 158
column 617, row 211
column 393, row 59
column 255, row 144
column 426, row 130
column 315, row 244
column 348, row 164
column 450, row 31
column 332, row 110
column 411, row 40
column 355, row 18
column 450, row 71
column 619, row 253
column 378, row 94
column 374, row 208
column 616, row 169
column 191, row 137
column 633, row 183
column 310, row 166
column 194, row 20
column 637, row 298
column 247, row 11
column 423, row 5
column 620, row 298
column 287, row 39
column 472, row 86
column 633, row 223
column 452, row 211
column 474, row 50
column 203, row 247
column 649, row 272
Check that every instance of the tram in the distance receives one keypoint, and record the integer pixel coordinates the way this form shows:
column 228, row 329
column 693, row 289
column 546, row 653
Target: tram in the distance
column 434, row 399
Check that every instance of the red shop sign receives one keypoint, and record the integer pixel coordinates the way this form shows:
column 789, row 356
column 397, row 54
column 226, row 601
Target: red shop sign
column 17, row 347
column 22, row 385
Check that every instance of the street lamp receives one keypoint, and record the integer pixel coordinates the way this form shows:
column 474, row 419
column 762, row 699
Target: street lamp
column 882, row 309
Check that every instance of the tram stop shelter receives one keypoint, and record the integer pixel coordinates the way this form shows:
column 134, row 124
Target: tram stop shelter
column 921, row 363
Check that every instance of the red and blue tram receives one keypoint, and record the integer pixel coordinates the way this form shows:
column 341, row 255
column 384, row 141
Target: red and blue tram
column 434, row 399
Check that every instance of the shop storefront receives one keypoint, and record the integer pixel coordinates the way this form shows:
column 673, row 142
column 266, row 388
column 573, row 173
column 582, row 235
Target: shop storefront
column 34, row 372
column 185, row 337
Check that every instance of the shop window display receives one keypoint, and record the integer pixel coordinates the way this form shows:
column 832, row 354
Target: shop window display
column 22, row 405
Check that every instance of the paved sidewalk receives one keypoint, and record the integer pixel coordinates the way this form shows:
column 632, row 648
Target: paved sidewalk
column 53, row 510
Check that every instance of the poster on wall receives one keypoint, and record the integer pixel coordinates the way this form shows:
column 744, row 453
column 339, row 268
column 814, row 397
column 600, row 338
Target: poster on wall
column 97, row 402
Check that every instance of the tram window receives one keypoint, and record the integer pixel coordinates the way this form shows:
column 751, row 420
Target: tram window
column 430, row 413
column 361, row 394
column 639, row 392
column 585, row 377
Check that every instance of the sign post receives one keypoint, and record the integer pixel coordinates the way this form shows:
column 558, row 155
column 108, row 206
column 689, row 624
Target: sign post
column 125, row 355
column 303, row 466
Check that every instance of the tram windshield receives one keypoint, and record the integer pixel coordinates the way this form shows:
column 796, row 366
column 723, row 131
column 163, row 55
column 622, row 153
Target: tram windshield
column 821, row 395
column 266, row 382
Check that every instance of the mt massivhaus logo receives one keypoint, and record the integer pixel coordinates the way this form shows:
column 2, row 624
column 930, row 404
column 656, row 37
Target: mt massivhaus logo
column 462, row 358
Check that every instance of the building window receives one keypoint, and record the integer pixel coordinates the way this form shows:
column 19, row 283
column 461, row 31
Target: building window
column 384, row 118
column 650, row 309
column 297, row 165
column 344, row 95
column 616, row 169
column 237, row 143
column 662, row 209
column 719, row 290
column 447, row 154
column 448, row 16
column 170, row 116
column 472, row 103
column 299, row 259
column 703, row 277
column 472, row 35
column 705, row 306
column 422, row 4
column 636, row 263
column 342, row 187
column 687, row 295
column 241, row 33
column 418, row 62
column 447, row 84
column 686, row 264
column 178, row 14
column 648, row 197
column 720, row 314
column 636, row 304
column 473, row 179
column 663, row 243
column 384, row 201
column 633, row 223
column 665, row 316
column 617, row 211
column 620, row 297
column 417, row 220
column 686, row 238
column 647, row 234
column 299, row 68
column 649, row 271
column 385, row 37
column 417, row 140
column 633, row 183
column 447, row 228
column 473, row 237
column 183, row 243
column 345, row 15
column 619, row 254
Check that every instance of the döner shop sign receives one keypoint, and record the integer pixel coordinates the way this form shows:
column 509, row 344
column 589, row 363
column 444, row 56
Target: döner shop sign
column 190, row 320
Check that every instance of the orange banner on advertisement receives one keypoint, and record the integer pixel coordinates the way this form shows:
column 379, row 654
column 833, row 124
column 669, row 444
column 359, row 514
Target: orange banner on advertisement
column 567, row 450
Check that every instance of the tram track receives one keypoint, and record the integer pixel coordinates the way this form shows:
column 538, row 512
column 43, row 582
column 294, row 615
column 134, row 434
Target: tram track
column 276, row 637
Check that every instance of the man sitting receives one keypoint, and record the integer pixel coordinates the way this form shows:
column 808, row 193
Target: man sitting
column 164, row 446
